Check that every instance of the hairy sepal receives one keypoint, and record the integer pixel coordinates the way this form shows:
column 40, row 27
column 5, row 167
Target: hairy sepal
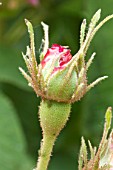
column 61, row 85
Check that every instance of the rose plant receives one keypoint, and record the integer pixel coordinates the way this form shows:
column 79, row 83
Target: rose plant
column 60, row 79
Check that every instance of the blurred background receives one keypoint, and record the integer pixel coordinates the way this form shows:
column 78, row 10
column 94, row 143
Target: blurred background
column 20, row 132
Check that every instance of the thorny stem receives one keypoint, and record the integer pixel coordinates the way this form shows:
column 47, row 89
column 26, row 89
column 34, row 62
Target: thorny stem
column 45, row 152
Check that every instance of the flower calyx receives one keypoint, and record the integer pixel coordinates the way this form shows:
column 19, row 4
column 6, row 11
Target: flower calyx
column 60, row 76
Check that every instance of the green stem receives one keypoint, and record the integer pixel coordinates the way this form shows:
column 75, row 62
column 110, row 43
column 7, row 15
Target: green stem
column 45, row 152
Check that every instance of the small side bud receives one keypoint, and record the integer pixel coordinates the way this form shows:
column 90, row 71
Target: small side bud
column 101, row 159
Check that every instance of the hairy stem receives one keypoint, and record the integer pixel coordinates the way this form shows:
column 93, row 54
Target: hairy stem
column 45, row 152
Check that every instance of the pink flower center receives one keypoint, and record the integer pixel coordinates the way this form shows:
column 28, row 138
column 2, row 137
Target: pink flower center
column 33, row 2
column 55, row 51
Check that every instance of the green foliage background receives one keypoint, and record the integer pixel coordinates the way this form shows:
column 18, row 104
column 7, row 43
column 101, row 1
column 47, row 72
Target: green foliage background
column 20, row 132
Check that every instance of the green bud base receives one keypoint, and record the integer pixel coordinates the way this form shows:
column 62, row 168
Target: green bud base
column 53, row 117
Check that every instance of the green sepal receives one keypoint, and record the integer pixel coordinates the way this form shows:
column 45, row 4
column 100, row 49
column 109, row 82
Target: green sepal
column 61, row 86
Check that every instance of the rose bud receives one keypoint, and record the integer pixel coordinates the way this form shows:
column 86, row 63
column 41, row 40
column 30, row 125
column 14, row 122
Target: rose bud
column 59, row 76
column 60, row 79
column 60, row 84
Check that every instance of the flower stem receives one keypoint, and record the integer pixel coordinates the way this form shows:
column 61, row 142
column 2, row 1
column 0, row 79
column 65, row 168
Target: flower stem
column 45, row 152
